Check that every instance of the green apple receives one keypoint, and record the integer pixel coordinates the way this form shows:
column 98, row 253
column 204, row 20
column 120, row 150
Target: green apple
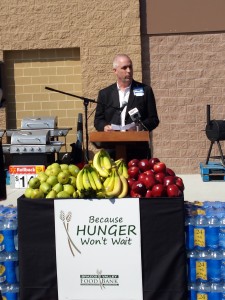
column 63, row 177
column 52, row 194
column 72, row 181
column 69, row 189
column 52, row 180
column 55, row 171
column 34, row 183
column 28, row 192
column 45, row 187
column 58, row 187
column 74, row 170
column 42, row 176
column 64, row 166
column 37, row 194
column 48, row 171
column 55, row 165
column 66, row 171
column 63, row 194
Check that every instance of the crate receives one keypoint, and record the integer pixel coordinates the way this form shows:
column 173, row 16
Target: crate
column 213, row 171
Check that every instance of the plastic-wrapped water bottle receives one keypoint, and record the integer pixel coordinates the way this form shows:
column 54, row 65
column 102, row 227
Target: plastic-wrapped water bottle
column 223, row 291
column 2, row 227
column 216, row 290
column 2, row 267
column 203, row 290
column 12, row 292
column 200, row 226
column 192, row 290
column 214, row 265
column 212, row 230
column 222, row 232
column 191, row 264
column 222, row 269
column 11, row 267
column 189, row 232
column 202, row 261
column 10, row 233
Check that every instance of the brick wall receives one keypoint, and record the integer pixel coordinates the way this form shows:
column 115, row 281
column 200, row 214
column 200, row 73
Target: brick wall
column 99, row 29
column 187, row 72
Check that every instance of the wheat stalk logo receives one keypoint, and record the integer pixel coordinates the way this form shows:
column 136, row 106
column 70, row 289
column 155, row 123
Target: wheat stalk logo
column 66, row 220
column 99, row 273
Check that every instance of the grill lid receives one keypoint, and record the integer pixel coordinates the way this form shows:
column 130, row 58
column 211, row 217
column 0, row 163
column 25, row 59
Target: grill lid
column 31, row 137
column 39, row 122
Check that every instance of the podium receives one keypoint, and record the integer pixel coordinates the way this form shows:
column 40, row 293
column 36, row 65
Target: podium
column 119, row 140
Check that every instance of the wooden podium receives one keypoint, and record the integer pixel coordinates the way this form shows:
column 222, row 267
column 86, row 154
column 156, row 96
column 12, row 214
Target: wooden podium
column 119, row 140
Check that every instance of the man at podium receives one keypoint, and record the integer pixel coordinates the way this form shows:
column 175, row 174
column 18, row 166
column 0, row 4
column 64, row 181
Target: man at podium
column 126, row 105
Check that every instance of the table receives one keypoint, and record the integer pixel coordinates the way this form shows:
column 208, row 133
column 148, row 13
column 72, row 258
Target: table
column 162, row 242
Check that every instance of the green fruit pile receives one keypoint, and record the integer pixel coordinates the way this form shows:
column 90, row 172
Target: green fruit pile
column 57, row 181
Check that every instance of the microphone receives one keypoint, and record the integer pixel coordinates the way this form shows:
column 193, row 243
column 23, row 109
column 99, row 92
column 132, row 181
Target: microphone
column 136, row 117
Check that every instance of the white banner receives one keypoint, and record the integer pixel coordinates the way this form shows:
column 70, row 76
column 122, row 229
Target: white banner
column 98, row 249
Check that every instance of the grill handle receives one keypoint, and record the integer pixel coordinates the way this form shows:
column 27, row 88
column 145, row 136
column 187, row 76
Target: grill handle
column 27, row 141
column 208, row 114
column 37, row 125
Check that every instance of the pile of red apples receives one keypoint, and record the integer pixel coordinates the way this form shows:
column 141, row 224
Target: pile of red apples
column 150, row 178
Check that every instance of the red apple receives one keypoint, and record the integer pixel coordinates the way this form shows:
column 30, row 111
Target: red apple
column 172, row 190
column 159, row 167
column 130, row 181
column 133, row 172
column 170, row 172
column 149, row 181
column 149, row 172
column 139, row 188
column 148, row 194
column 160, row 177
column 141, row 177
column 179, row 182
column 135, row 195
column 144, row 165
column 133, row 162
column 168, row 180
column 153, row 161
column 158, row 190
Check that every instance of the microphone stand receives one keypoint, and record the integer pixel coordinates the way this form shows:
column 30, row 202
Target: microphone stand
column 85, row 102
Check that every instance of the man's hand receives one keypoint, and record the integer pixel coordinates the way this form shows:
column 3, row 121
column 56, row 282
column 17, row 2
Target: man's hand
column 108, row 128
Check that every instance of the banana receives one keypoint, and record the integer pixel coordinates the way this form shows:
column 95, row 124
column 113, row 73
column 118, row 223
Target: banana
column 95, row 177
column 97, row 164
column 125, row 170
column 106, row 160
column 79, row 180
column 86, row 182
column 109, row 183
column 120, row 168
column 117, row 185
column 124, row 190
column 91, row 179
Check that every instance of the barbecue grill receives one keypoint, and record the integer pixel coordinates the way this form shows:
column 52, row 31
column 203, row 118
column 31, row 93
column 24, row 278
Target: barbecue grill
column 36, row 142
column 215, row 132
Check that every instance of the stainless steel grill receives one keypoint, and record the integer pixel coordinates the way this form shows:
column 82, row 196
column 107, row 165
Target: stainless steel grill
column 36, row 137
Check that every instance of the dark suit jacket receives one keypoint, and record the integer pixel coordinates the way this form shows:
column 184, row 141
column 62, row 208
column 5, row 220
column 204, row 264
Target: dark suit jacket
column 108, row 107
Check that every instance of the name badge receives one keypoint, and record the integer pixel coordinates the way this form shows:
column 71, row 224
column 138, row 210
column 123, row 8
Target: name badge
column 138, row 92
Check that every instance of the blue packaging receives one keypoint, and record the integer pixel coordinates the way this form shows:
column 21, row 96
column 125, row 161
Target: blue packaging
column 11, row 267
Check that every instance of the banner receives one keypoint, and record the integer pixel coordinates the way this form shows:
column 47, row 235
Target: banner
column 98, row 249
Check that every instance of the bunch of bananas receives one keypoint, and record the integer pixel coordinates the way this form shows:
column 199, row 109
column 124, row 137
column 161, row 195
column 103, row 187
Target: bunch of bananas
column 103, row 178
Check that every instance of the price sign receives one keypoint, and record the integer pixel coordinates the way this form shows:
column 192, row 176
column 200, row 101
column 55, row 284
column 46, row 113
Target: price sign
column 20, row 175
column 21, row 180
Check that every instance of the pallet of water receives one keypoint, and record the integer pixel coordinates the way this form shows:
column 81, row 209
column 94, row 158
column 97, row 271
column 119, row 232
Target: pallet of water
column 9, row 262
column 205, row 243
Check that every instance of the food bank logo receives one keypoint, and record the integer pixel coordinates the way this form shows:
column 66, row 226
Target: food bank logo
column 99, row 279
